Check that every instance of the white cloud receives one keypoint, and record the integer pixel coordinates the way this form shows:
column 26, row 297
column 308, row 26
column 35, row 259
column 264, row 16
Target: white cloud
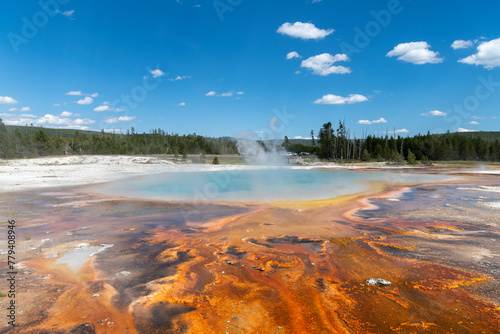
column 50, row 121
column 380, row 120
column 78, row 93
column 7, row 100
column 477, row 117
column 182, row 104
column 85, row 121
column 114, row 130
column 367, row 122
column 119, row 119
column 86, row 100
column 417, row 53
column 67, row 13
column 25, row 109
column 56, row 104
column 323, row 64
column 292, row 55
column 474, row 122
column 488, row 55
column 227, row 94
column 29, row 116
column 66, row 114
column 13, row 109
column 465, row 130
column 303, row 30
column 180, row 78
column 119, row 109
column 434, row 113
column 461, row 44
column 335, row 99
column 157, row 73
column 401, row 131
column 102, row 108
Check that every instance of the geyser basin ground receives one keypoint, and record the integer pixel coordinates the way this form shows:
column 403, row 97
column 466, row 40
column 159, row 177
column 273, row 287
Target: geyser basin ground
column 258, row 184
column 241, row 267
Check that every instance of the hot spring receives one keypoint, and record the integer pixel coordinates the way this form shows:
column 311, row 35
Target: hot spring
column 258, row 184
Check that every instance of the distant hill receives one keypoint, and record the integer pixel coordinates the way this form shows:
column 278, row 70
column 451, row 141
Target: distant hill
column 490, row 136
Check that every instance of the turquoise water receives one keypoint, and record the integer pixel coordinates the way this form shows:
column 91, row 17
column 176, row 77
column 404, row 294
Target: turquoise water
column 262, row 185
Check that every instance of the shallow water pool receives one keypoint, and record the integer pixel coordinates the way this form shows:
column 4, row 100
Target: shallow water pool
column 261, row 185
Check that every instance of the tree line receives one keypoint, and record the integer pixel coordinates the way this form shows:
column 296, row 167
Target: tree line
column 341, row 144
column 30, row 142
column 330, row 144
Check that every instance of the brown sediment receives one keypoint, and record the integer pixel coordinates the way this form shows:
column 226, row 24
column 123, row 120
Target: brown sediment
column 270, row 268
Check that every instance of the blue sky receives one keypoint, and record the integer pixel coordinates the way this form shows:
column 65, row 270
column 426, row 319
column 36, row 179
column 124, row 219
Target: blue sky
column 262, row 68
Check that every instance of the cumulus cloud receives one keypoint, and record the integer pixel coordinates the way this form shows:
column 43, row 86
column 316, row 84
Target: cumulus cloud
column 25, row 109
column 180, row 78
column 7, row 100
column 303, row 30
column 102, row 108
column 78, row 93
column 13, row 109
column 114, row 130
column 182, row 104
column 465, row 130
column 474, row 122
column 86, row 100
column 50, row 121
column 29, row 116
column 119, row 119
column 417, row 53
column 335, row 99
column 397, row 131
column 367, row 122
column 66, row 114
column 157, row 73
column 211, row 93
column 434, row 113
column 488, row 55
column 228, row 94
column 240, row 93
column 292, row 55
column 461, row 44
column 323, row 64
